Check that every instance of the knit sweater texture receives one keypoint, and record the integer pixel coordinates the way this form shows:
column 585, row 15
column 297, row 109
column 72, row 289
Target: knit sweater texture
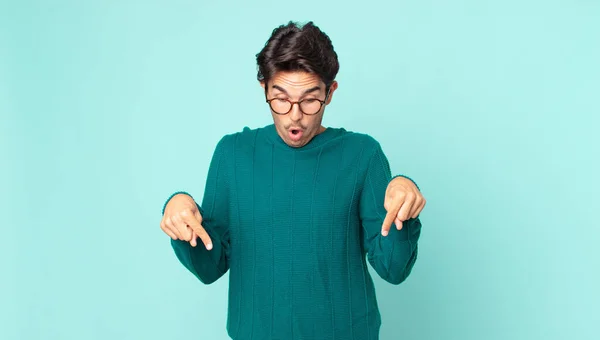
column 295, row 228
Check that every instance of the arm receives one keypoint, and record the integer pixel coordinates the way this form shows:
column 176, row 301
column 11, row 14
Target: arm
column 392, row 256
column 209, row 265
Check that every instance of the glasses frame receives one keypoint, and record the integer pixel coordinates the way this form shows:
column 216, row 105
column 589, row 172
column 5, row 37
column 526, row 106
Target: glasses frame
column 292, row 103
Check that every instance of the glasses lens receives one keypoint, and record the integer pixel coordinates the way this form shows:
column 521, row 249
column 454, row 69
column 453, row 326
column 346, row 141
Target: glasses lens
column 281, row 106
column 310, row 106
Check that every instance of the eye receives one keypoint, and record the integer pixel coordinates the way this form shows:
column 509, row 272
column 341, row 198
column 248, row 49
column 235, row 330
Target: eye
column 310, row 101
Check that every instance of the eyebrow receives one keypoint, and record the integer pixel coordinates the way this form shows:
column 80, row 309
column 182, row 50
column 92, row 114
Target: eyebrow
column 312, row 89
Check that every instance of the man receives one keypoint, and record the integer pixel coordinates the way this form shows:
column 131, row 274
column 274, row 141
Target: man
column 294, row 210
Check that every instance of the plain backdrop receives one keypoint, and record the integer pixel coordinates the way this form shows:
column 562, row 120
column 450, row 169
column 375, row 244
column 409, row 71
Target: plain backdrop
column 107, row 107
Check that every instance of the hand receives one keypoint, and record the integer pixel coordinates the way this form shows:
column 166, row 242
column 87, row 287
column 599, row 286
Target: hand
column 183, row 221
column 402, row 201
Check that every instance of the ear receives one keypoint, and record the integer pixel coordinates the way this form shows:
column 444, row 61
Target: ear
column 262, row 84
column 332, row 89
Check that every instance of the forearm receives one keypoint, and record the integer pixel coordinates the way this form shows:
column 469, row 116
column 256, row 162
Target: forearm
column 393, row 256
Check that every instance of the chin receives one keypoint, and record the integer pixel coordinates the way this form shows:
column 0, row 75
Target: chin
column 297, row 144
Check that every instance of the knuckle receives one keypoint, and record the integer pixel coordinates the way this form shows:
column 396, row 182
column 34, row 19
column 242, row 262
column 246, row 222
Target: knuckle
column 389, row 196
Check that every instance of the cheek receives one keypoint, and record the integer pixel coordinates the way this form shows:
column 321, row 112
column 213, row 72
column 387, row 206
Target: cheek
column 315, row 122
column 277, row 119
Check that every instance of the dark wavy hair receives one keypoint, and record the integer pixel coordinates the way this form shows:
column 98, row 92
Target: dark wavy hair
column 295, row 47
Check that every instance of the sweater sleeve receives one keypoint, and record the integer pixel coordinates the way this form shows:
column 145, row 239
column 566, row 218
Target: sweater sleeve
column 392, row 256
column 209, row 265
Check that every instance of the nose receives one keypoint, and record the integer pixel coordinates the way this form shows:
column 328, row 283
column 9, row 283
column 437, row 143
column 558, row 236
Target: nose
column 296, row 115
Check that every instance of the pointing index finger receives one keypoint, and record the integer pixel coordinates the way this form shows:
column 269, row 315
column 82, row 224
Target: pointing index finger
column 389, row 219
column 199, row 230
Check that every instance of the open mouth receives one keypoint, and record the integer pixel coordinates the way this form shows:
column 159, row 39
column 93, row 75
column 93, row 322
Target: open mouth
column 295, row 134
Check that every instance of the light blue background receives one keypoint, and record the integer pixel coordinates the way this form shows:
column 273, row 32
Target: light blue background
column 107, row 107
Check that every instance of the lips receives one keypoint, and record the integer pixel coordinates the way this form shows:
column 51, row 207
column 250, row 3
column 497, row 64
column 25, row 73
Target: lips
column 295, row 134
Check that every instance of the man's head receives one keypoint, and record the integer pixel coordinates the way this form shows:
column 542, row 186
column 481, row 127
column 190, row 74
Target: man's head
column 298, row 64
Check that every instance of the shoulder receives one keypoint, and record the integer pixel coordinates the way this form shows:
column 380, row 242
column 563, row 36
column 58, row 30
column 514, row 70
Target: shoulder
column 246, row 137
column 358, row 140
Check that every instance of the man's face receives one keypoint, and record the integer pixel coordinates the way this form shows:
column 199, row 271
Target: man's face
column 296, row 128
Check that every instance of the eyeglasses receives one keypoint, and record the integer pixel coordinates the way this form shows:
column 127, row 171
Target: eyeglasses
column 310, row 106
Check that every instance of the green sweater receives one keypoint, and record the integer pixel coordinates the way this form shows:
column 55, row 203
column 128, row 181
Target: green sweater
column 295, row 228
